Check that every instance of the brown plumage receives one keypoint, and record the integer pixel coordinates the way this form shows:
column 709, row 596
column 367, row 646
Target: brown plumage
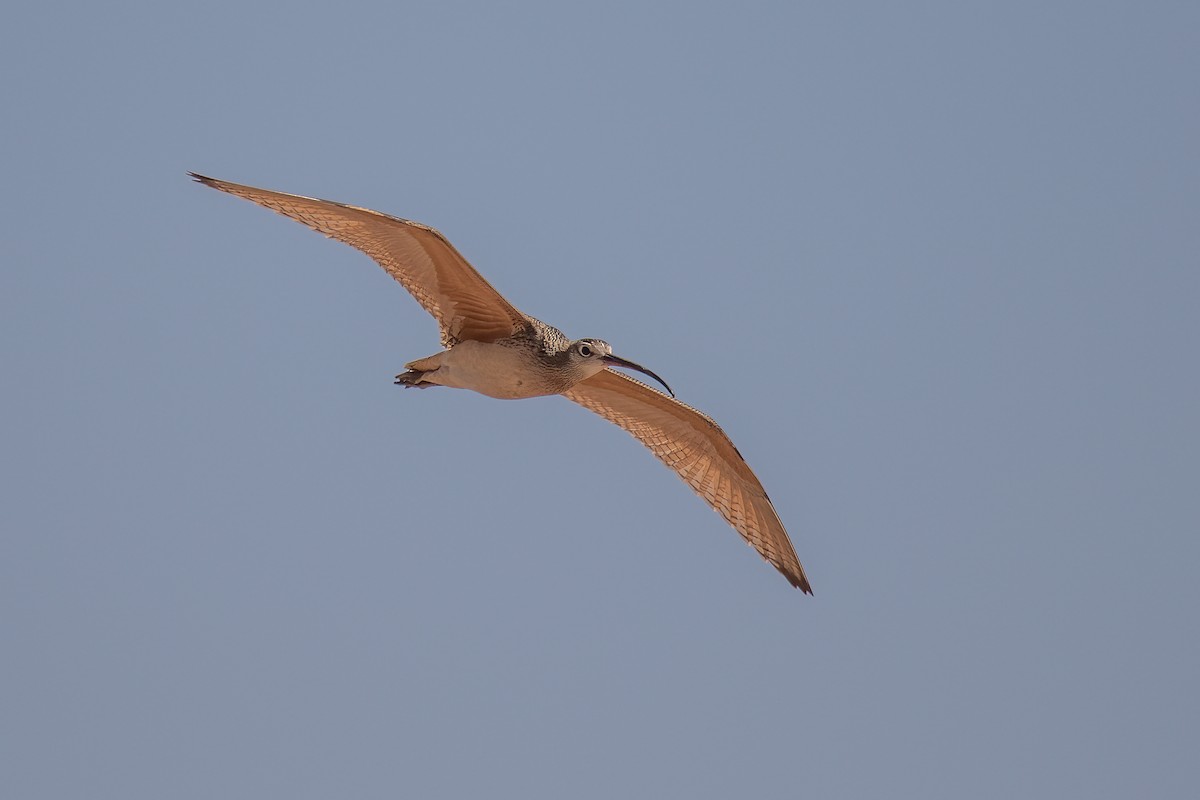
column 690, row 443
column 493, row 348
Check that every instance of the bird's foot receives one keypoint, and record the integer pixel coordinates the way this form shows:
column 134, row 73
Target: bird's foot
column 413, row 377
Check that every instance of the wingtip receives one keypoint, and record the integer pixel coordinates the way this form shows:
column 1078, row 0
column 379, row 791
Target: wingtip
column 198, row 178
column 799, row 581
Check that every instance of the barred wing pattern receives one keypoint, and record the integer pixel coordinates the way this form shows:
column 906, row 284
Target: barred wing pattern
column 421, row 259
column 698, row 450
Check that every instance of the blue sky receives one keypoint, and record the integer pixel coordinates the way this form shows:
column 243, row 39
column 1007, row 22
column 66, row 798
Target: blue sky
column 933, row 266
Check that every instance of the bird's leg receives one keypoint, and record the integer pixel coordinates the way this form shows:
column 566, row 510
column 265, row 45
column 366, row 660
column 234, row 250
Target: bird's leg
column 417, row 370
column 413, row 378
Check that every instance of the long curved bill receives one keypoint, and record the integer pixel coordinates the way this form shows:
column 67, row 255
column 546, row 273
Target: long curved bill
column 620, row 362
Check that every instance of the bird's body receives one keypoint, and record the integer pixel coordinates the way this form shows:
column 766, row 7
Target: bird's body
column 509, row 369
column 535, row 363
column 496, row 350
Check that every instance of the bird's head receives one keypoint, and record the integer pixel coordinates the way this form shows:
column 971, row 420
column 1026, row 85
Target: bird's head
column 589, row 356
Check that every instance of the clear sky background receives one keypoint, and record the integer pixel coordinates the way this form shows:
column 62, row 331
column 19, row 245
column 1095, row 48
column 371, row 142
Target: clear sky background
column 935, row 267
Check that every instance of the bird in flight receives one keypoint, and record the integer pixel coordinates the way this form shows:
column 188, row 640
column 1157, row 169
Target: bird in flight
column 494, row 349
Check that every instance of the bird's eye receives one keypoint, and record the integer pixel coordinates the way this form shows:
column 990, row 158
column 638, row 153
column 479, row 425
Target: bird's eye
column 585, row 351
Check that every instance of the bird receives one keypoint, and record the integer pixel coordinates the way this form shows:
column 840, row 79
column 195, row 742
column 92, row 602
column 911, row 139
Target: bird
column 492, row 348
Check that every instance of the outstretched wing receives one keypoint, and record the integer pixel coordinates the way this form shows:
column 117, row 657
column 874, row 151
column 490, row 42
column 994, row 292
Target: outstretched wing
column 421, row 259
column 698, row 450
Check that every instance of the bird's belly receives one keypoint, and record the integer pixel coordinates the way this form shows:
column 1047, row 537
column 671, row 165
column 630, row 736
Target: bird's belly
column 495, row 370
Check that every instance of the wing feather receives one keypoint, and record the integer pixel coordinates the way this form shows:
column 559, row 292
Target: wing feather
column 445, row 284
column 690, row 443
